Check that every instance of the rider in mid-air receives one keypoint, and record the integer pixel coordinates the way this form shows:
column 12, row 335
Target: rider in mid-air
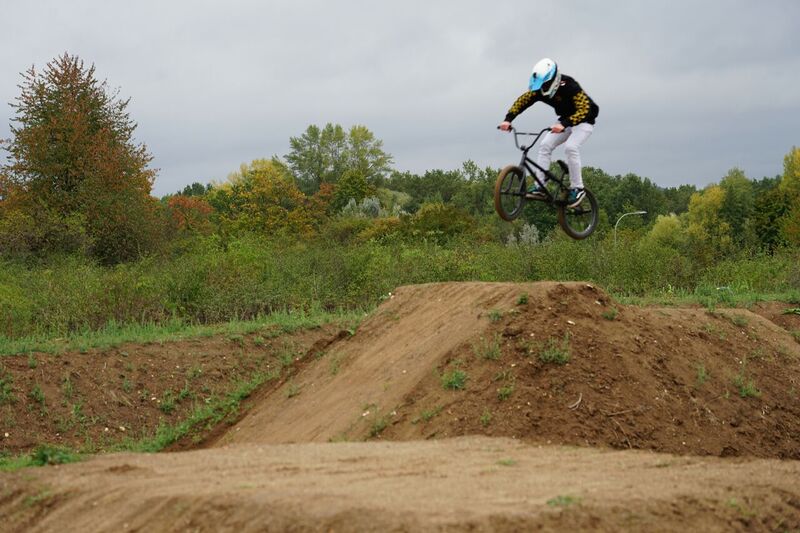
column 576, row 114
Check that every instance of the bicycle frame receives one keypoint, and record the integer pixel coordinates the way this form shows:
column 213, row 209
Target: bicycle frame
column 511, row 192
column 529, row 164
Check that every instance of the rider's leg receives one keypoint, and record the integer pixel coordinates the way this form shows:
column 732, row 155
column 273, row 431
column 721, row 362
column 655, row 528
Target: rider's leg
column 578, row 135
column 549, row 143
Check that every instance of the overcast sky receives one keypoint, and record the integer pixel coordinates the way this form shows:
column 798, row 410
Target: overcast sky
column 686, row 89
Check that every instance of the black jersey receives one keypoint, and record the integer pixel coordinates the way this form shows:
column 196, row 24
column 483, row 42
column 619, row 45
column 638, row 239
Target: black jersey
column 571, row 103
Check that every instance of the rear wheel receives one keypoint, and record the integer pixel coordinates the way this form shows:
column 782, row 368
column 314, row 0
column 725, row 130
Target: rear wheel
column 509, row 192
column 580, row 221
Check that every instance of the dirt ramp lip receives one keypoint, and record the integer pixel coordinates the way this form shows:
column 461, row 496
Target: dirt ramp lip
column 368, row 374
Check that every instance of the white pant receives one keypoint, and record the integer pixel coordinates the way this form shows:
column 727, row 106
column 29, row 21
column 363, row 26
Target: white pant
column 574, row 136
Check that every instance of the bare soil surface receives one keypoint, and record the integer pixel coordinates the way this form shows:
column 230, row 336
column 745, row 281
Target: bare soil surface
column 686, row 381
column 101, row 397
column 471, row 483
column 467, row 394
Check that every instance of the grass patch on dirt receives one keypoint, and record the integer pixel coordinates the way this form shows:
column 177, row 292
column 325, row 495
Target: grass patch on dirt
column 42, row 456
column 152, row 395
column 115, row 335
column 556, row 352
column 203, row 418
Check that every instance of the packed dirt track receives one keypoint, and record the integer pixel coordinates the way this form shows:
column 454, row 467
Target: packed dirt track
column 470, row 483
column 484, row 406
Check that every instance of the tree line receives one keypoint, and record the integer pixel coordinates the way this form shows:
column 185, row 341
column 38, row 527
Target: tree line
column 76, row 182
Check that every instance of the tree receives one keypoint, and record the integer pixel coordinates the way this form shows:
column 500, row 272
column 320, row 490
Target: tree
column 709, row 235
column 325, row 155
column 195, row 189
column 668, row 231
column 365, row 155
column 790, row 185
column 73, row 158
column 190, row 215
column 790, row 182
column 262, row 198
column 352, row 186
column 737, row 206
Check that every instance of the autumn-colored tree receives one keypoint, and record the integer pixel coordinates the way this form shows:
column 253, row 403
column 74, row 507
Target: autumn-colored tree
column 790, row 182
column 320, row 205
column 190, row 215
column 73, row 158
column 262, row 198
column 789, row 224
column 709, row 235
column 668, row 231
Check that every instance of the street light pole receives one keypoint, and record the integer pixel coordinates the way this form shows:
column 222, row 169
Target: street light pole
column 623, row 216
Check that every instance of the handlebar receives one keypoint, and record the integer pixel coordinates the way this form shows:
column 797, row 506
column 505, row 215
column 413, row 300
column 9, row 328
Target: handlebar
column 518, row 133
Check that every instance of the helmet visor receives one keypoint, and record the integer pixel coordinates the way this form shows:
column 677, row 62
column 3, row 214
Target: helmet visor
column 536, row 82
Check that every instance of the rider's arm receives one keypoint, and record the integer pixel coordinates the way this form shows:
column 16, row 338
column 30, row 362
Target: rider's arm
column 582, row 106
column 521, row 104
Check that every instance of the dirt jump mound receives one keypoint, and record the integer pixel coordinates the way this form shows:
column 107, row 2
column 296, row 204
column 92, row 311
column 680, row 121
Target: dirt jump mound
column 558, row 363
column 506, row 369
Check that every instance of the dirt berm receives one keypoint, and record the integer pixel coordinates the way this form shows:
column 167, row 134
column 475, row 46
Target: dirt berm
column 537, row 397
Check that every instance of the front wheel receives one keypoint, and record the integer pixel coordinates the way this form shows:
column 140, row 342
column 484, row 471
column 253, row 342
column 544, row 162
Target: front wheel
column 580, row 221
column 509, row 192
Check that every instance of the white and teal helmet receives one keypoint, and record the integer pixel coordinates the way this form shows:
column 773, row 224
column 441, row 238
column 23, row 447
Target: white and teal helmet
column 545, row 77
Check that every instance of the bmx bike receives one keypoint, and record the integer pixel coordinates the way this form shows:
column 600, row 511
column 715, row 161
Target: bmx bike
column 511, row 192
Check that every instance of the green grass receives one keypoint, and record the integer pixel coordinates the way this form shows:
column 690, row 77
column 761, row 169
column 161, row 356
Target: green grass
column 563, row 501
column 611, row 314
column 293, row 390
column 454, row 380
column 556, row 352
column 486, row 418
column 204, row 417
column 495, row 315
column 739, row 321
column 115, row 335
column 41, row 456
column 428, row 414
column 505, row 392
column 335, row 364
column 168, row 403
column 746, row 386
column 523, row 299
column 67, row 388
column 378, row 425
column 6, row 391
column 488, row 348
column 702, row 374
column 37, row 395
column 507, row 462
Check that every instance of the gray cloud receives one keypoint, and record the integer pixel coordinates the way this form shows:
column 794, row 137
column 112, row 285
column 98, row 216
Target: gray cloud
column 687, row 90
